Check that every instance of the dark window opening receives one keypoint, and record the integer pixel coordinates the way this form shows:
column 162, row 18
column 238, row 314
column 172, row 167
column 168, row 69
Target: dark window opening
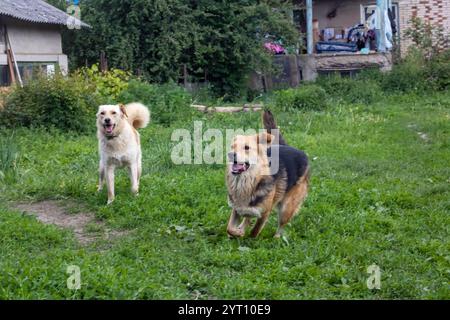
column 4, row 76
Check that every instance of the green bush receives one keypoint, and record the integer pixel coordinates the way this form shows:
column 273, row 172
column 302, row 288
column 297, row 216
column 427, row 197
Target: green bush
column 168, row 103
column 107, row 84
column 437, row 71
column 408, row 75
column 67, row 103
column 358, row 90
column 310, row 97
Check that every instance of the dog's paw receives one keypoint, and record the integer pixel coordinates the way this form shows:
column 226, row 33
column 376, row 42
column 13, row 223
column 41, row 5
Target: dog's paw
column 235, row 232
column 110, row 201
column 135, row 191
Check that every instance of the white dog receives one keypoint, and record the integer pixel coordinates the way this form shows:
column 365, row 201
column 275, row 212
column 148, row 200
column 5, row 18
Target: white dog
column 119, row 143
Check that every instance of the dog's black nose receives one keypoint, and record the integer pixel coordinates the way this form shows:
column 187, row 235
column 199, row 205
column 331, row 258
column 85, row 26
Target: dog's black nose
column 107, row 120
column 232, row 156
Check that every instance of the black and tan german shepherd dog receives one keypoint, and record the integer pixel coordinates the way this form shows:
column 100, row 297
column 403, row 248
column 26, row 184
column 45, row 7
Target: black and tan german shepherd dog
column 262, row 175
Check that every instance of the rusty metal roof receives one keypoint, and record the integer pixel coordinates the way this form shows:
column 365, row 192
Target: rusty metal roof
column 37, row 11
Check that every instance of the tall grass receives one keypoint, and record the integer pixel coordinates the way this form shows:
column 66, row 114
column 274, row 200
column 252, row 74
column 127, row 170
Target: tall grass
column 9, row 159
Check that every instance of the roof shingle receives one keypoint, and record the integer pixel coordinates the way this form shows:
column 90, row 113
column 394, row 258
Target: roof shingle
column 37, row 11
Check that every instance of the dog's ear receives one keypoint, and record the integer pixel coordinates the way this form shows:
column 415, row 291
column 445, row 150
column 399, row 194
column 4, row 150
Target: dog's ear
column 265, row 138
column 123, row 110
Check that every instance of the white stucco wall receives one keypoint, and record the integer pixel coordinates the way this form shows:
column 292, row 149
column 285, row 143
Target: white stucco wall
column 348, row 13
column 35, row 42
column 34, row 38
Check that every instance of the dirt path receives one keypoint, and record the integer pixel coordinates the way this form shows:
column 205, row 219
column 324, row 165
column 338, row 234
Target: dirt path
column 58, row 213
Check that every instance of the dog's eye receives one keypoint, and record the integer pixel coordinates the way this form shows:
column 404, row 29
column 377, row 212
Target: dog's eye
column 114, row 112
column 247, row 148
column 102, row 113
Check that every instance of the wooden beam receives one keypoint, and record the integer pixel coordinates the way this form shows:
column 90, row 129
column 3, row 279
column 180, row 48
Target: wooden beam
column 13, row 57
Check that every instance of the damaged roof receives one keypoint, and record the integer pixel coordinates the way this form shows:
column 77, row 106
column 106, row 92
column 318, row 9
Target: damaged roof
column 37, row 11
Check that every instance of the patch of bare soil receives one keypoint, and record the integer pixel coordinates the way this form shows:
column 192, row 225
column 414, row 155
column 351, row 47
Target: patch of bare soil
column 57, row 213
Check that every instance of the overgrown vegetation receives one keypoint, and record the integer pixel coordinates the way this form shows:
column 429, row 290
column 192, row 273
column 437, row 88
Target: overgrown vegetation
column 70, row 103
column 61, row 102
column 108, row 84
column 168, row 103
column 309, row 97
column 427, row 37
column 379, row 195
column 9, row 158
column 350, row 90
column 221, row 41
column 379, row 151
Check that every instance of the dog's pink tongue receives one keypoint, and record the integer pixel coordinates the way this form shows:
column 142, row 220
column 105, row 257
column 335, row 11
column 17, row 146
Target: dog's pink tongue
column 238, row 167
column 109, row 129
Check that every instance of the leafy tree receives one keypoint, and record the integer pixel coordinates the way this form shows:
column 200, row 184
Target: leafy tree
column 156, row 38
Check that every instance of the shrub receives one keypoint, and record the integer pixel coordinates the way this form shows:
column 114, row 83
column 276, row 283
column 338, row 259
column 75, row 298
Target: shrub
column 168, row 103
column 67, row 103
column 426, row 37
column 437, row 71
column 4, row 92
column 408, row 75
column 310, row 96
column 108, row 84
column 357, row 90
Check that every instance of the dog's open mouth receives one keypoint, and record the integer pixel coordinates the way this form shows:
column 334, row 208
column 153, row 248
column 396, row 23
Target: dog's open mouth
column 238, row 168
column 109, row 128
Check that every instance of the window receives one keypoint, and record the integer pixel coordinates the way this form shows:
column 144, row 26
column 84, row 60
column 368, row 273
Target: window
column 368, row 10
column 4, row 76
column 30, row 70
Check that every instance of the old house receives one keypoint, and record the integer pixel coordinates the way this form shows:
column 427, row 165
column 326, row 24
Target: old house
column 338, row 16
column 30, row 39
column 345, row 36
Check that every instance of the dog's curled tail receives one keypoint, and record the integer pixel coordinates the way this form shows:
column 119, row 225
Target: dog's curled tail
column 138, row 115
column 270, row 124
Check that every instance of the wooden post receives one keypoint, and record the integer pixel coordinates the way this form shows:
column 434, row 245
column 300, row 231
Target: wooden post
column 309, row 27
column 12, row 59
column 103, row 62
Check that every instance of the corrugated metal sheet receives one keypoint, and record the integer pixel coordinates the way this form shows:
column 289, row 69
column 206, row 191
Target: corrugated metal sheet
column 37, row 11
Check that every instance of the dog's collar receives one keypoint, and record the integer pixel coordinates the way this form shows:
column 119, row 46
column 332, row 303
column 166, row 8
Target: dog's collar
column 110, row 137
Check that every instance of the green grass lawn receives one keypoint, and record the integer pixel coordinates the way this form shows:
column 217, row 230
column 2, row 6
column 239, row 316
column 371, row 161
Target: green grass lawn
column 380, row 194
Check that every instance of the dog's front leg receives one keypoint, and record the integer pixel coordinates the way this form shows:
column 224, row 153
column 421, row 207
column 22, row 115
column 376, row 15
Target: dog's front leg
column 134, row 178
column 236, row 228
column 101, row 180
column 233, row 229
column 259, row 225
column 110, row 183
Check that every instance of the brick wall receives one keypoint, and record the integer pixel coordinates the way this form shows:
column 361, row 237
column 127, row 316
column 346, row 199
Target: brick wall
column 436, row 12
